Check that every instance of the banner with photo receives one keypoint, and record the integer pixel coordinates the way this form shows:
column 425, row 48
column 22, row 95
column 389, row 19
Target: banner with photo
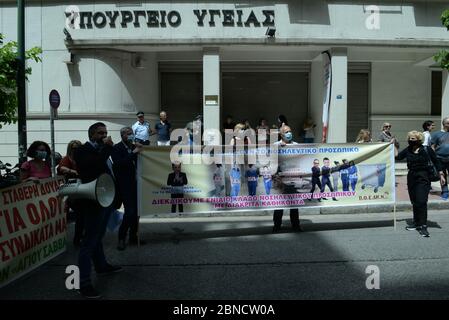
column 293, row 176
column 33, row 227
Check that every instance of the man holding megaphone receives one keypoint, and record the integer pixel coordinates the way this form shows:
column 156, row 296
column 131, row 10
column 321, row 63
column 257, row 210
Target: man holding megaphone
column 124, row 158
column 91, row 160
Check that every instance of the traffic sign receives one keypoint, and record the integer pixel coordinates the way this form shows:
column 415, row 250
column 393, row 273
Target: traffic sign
column 54, row 98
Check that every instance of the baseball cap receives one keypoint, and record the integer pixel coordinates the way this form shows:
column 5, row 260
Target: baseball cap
column 140, row 113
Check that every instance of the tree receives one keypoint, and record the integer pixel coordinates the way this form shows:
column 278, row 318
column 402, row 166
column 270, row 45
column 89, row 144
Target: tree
column 8, row 78
column 442, row 57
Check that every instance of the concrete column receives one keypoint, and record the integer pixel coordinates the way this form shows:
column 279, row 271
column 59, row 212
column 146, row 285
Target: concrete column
column 316, row 96
column 338, row 102
column 211, row 96
column 445, row 96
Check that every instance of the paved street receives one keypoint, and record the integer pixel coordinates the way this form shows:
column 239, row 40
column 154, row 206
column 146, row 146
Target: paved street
column 239, row 258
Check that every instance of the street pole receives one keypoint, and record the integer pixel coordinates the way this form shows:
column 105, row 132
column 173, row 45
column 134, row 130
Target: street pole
column 21, row 97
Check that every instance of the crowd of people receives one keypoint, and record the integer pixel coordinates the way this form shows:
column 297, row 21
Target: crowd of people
column 426, row 150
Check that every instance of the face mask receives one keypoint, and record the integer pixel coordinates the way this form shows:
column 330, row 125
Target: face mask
column 130, row 138
column 288, row 136
column 41, row 154
column 413, row 142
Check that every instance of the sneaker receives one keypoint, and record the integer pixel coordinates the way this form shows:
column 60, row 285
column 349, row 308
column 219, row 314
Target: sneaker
column 109, row 269
column 423, row 231
column 121, row 245
column 444, row 196
column 335, row 199
column 89, row 292
column 411, row 227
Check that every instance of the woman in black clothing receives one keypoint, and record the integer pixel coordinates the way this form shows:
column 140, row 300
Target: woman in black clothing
column 418, row 181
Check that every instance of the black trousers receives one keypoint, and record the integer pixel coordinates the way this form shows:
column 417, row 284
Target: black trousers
column 294, row 217
column 316, row 182
column 180, row 206
column 326, row 181
column 130, row 219
column 418, row 185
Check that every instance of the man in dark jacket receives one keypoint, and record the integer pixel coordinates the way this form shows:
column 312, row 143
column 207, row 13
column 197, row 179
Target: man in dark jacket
column 124, row 158
column 91, row 161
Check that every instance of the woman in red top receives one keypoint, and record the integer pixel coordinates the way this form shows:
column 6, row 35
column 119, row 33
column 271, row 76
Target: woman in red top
column 39, row 166
column 67, row 167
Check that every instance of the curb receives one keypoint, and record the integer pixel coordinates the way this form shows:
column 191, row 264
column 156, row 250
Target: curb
column 357, row 209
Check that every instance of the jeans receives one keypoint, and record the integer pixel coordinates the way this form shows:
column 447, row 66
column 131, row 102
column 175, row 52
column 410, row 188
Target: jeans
column 444, row 188
column 95, row 221
column 418, row 184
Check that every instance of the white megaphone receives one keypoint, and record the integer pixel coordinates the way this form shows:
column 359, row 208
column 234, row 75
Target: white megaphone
column 101, row 190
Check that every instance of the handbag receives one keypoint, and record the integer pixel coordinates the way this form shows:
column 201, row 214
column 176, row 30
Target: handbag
column 433, row 172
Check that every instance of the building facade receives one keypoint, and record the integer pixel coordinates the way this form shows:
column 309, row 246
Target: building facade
column 215, row 58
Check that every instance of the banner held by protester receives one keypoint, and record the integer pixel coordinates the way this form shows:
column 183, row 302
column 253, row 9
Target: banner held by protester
column 305, row 175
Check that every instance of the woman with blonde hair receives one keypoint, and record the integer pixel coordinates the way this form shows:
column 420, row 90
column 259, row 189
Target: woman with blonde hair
column 418, row 178
column 364, row 136
column 67, row 168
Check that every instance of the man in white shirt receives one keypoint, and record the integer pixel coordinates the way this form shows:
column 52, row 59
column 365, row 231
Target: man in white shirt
column 141, row 129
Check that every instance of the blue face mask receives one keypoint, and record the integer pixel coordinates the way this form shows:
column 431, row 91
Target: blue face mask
column 131, row 138
column 41, row 154
column 288, row 136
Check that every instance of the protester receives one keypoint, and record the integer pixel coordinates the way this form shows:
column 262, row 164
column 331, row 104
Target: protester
column 440, row 143
column 386, row 136
column 364, row 136
column 263, row 137
column 309, row 134
column 177, row 180
column 90, row 159
column 163, row 130
column 240, row 135
column 67, row 167
column 228, row 125
column 428, row 126
column 286, row 140
column 124, row 159
column 141, row 129
column 418, row 181
column 39, row 167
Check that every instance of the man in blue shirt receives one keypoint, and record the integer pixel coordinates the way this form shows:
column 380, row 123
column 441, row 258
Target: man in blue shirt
column 440, row 143
column 163, row 129
column 141, row 129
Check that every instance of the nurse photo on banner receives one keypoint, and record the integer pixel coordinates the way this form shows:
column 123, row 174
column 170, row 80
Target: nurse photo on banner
column 251, row 177
column 235, row 177
column 267, row 179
